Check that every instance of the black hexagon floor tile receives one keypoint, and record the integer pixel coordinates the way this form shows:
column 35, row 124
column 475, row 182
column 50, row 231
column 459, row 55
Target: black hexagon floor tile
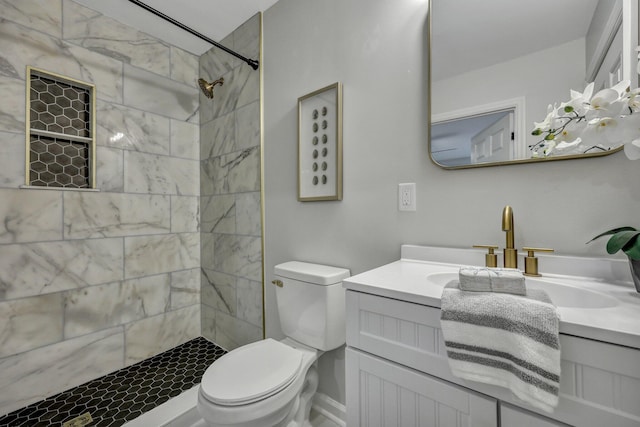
column 120, row 396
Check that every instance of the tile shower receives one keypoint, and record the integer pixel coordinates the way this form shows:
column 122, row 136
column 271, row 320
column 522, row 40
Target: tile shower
column 92, row 282
column 230, row 193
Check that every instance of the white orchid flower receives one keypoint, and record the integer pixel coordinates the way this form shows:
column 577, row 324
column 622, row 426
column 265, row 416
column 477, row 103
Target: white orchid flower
column 633, row 100
column 573, row 147
column 630, row 129
column 632, row 149
column 609, row 131
column 549, row 148
column 550, row 121
column 622, row 87
column 606, row 103
column 579, row 101
column 570, row 133
column 606, row 120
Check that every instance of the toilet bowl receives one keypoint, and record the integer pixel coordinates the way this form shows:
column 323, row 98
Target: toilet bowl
column 267, row 383
column 271, row 383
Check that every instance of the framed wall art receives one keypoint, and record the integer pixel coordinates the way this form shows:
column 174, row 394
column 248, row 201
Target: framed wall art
column 320, row 144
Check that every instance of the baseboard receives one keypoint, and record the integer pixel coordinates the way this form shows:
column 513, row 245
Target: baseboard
column 333, row 410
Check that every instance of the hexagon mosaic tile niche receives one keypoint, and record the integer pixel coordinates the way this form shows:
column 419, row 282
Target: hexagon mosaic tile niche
column 124, row 395
column 59, row 107
column 60, row 133
column 56, row 161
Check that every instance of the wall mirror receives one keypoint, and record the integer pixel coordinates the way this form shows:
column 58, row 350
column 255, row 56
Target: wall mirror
column 497, row 64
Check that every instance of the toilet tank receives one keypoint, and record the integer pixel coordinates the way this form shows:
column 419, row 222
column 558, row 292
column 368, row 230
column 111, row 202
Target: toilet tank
column 311, row 303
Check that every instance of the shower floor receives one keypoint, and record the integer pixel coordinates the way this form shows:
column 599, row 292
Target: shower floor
column 124, row 395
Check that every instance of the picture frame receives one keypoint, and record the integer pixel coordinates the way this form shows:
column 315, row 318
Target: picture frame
column 320, row 144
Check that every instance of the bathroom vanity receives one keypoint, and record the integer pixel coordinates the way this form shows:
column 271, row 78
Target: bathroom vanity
column 397, row 369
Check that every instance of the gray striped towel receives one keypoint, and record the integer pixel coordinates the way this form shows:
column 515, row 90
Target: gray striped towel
column 506, row 340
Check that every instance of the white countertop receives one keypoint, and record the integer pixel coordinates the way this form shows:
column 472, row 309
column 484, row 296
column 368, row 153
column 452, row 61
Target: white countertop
column 406, row 280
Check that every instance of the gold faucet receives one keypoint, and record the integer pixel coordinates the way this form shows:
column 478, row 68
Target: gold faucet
column 510, row 252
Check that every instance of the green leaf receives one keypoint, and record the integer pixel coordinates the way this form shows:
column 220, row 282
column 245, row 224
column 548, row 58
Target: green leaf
column 633, row 252
column 550, row 137
column 622, row 240
column 568, row 109
column 536, row 132
column 612, row 231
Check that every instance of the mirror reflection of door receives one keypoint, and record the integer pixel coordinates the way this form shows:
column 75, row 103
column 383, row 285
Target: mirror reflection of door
column 495, row 142
column 476, row 136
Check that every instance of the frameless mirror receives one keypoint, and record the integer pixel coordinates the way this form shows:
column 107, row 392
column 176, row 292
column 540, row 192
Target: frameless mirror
column 497, row 64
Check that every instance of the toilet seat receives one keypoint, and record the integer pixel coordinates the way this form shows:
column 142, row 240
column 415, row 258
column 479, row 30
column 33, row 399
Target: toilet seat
column 251, row 373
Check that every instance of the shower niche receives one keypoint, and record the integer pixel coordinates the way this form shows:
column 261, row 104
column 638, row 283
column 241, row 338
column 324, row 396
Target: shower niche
column 60, row 149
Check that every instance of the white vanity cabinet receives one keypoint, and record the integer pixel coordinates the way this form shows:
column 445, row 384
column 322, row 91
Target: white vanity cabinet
column 398, row 375
column 387, row 394
column 381, row 392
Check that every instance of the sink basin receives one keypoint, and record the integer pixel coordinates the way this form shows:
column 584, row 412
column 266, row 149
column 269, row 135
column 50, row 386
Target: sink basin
column 562, row 294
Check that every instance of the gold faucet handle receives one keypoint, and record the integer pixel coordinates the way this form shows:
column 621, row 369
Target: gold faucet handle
column 531, row 261
column 490, row 259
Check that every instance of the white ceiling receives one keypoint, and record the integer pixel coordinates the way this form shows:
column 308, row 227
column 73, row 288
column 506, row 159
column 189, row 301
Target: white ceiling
column 213, row 18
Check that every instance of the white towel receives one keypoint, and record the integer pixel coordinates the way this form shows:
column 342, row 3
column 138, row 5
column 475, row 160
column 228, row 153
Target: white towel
column 485, row 279
column 505, row 340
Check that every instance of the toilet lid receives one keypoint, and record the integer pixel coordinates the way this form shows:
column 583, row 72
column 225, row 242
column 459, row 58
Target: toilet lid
column 251, row 373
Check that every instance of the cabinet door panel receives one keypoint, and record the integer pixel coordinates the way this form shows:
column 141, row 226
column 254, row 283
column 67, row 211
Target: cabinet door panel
column 514, row 417
column 382, row 393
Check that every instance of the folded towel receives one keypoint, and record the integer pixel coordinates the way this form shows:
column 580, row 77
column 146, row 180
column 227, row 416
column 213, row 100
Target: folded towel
column 485, row 279
column 505, row 340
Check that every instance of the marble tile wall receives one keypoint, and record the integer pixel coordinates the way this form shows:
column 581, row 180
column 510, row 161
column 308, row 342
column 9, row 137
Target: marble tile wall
column 230, row 215
column 93, row 281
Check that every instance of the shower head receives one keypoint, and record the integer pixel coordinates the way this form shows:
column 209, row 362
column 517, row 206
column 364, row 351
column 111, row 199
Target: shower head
column 207, row 88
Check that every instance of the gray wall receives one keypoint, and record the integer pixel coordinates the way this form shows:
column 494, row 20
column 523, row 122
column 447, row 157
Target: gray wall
column 378, row 50
column 93, row 281
column 231, row 225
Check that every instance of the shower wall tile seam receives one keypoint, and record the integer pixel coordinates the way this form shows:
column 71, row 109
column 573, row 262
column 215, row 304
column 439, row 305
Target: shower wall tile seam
column 30, row 29
column 229, row 153
column 152, row 154
column 232, row 234
column 124, row 236
column 92, row 332
column 169, row 120
column 171, row 212
column 114, row 327
column 165, row 116
column 111, row 282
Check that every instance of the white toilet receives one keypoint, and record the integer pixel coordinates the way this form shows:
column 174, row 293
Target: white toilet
column 271, row 383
